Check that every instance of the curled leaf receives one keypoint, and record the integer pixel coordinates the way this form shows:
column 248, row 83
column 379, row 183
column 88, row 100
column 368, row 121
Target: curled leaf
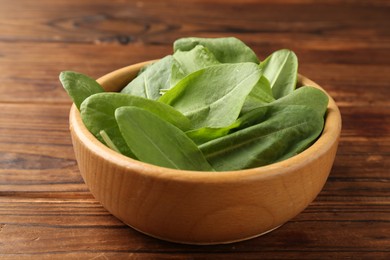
column 281, row 69
column 226, row 50
column 213, row 96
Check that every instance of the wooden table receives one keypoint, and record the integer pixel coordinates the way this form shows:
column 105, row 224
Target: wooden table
column 46, row 210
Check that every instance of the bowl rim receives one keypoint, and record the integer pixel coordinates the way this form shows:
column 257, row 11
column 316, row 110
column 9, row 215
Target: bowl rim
column 325, row 142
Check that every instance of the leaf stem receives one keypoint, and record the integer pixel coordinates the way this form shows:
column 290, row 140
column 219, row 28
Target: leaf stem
column 108, row 141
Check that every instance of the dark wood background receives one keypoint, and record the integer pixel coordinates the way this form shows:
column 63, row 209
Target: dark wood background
column 47, row 212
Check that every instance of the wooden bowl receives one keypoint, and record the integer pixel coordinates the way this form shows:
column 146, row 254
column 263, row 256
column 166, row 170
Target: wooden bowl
column 202, row 207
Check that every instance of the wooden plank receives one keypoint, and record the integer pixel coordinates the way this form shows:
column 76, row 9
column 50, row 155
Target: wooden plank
column 23, row 64
column 382, row 255
column 83, row 227
column 161, row 22
column 28, row 78
column 46, row 210
column 36, row 80
column 35, row 149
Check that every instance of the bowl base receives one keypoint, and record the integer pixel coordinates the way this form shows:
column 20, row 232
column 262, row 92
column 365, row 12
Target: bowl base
column 206, row 243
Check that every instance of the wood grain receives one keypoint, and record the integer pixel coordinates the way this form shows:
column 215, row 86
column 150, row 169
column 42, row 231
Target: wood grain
column 47, row 212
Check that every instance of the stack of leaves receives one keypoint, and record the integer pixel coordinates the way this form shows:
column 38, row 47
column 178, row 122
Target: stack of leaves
column 211, row 106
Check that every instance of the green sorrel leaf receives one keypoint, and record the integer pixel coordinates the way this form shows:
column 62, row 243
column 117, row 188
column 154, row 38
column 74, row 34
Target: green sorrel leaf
column 281, row 69
column 226, row 50
column 154, row 140
column 153, row 78
column 213, row 97
column 186, row 62
column 98, row 113
column 260, row 95
column 79, row 86
column 285, row 132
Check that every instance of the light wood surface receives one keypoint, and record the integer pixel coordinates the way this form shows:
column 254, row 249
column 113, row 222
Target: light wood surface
column 46, row 210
